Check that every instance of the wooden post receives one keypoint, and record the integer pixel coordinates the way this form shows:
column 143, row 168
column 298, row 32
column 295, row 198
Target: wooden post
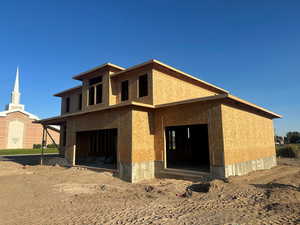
column 74, row 155
column 43, row 146
column 53, row 141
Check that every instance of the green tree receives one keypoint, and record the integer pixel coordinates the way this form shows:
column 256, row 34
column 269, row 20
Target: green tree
column 293, row 137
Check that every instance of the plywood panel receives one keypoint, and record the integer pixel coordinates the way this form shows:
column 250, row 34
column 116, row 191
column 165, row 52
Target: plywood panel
column 142, row 136
column 247, row 136
column 189, row 114
column 168, row 88
column 133, row 77
column 120, row 118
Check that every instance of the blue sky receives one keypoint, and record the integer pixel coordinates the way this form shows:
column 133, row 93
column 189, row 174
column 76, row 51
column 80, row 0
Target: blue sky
column 251, row 48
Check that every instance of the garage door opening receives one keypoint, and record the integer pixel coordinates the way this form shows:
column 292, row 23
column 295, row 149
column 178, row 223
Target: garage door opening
column 97, row 148
column 187, row 147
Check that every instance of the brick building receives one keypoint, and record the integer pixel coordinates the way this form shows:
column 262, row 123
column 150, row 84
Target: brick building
column 152, row 119
column 17, row 129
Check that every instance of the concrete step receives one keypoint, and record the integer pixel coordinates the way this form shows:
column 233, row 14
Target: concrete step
column 183, row 174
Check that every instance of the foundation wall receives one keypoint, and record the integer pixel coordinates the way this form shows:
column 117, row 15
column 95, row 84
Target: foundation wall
column 248, row 141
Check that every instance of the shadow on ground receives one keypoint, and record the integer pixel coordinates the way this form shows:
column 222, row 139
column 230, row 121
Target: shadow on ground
column 31, row 160
column 277, row 185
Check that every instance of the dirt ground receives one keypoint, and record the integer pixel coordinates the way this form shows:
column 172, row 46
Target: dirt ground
column 56, row 195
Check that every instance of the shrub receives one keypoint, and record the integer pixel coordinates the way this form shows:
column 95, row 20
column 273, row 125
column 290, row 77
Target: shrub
column 51, row 146
column 37, row 146
column 290, row 151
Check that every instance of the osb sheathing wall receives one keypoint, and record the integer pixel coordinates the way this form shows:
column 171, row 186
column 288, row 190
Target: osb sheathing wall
column 193, row 113
column 118, row 118
column 105, row 91
column 74, row 102
column 142, row 136
column 170, row 88
column 247, row 136
column 133, row 78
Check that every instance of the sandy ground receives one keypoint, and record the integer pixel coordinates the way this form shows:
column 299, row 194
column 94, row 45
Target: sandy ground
column 55, row 195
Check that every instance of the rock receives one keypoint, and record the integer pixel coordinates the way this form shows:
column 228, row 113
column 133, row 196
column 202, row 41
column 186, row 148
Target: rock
column 188, row 193
column 103, row 187
column 149, row 189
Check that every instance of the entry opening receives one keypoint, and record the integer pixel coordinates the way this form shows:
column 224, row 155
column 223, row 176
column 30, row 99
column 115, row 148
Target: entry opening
column 187, row 147
column 97, row 148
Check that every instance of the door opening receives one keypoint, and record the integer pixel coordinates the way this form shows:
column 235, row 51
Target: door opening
column 187, row 147
column 97, row 148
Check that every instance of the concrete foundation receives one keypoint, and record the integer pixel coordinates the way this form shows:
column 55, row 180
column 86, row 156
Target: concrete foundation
column 243, row 168
column 158, row 167
column 135, row 172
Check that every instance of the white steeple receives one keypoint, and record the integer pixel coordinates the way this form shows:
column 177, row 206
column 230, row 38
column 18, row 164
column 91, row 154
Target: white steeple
column 15, row 96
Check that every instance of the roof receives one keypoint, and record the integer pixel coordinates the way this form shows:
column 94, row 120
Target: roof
column 223, row 96
column 83, row 74
column 172, row 69
column 244, row 102
column 62, row 93
column 59, row 119
column 31, row 116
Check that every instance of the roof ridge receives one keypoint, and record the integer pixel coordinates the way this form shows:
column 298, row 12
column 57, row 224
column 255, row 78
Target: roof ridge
column 171, row 68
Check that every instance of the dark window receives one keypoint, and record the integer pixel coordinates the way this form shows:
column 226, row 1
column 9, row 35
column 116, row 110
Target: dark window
column 91, row 95
column 143, row 85
column 95, row 80
column 80, row 101
column 68, row 104
column 64, row 138
column 99, row 93
column 95, row 90
column 124, row 90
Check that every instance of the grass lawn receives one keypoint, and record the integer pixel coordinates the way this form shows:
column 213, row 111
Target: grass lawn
column 26, row 151
column 286, row 145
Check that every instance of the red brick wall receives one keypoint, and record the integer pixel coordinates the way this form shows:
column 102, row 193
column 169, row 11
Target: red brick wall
column 32, row 132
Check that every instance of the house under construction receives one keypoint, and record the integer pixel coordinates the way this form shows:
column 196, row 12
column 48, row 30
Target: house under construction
column 151, row 118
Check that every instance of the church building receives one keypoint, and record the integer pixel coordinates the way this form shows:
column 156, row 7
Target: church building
column 17, row 129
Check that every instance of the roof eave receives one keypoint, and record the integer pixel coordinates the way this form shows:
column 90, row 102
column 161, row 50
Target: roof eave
column 272, row 114
column 219, row 97
column 81, row 75
column 62, row 93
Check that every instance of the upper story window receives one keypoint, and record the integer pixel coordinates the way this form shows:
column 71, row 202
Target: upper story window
column 79, row 101
column 95, row 80
column 99, row 93
column 124, row 90
column 68, row 104
column 143, row 85
column 95, row 90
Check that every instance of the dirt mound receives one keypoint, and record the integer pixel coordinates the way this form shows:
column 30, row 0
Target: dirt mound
column 213, row 186
column 9, row 165
column 12, row 168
